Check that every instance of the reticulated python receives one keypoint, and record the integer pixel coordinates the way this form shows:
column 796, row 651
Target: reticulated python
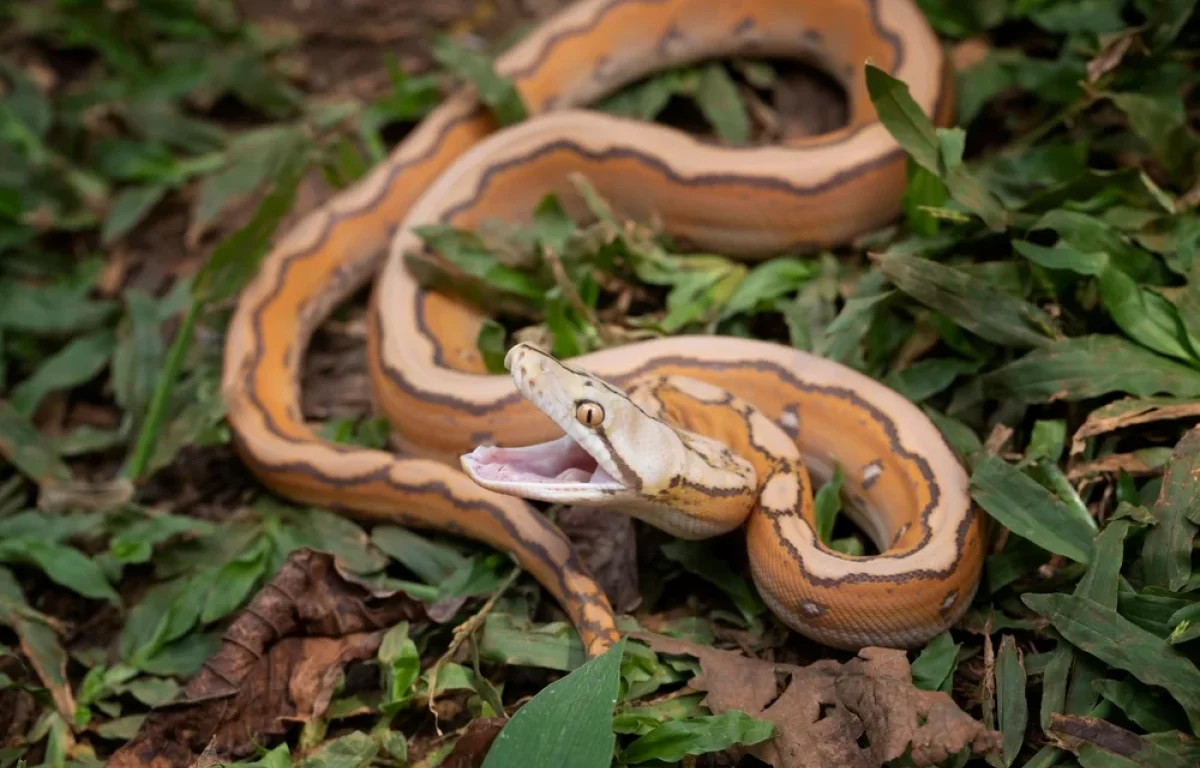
column 906, row 487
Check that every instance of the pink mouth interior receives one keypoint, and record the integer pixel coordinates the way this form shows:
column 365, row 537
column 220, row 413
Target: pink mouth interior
column 560, row 461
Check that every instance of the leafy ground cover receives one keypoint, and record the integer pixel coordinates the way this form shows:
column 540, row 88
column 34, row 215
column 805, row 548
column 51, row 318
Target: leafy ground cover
column 1040, row 299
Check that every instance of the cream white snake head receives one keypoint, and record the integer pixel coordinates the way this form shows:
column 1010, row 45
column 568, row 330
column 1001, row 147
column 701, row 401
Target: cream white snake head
column 616, row 450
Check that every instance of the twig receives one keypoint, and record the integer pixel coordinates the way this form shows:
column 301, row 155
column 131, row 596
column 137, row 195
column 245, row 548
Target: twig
column 461, row 633
column 564, row 283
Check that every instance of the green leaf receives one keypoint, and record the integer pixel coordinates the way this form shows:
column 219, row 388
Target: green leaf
column 492, row 344
column 31, row 453
column 1089, row 366
column 827, row 502
column 252, row 160
column 476, row 68
column 75, row 364
column 54, row 309
column 1114, row 640
column 139, row 357
column 354, row 750
column 972, row 302
column 933, row 669
column 128, row 209
column 1167, row 550
column 1168, row 22
column 1090, row 235
column 402, row 663
column 697, row 557
column 569, row 722
column 1063, row 257
column 431, row 561
column 1027, row 509
column 506, row 640
column 676, row 739
column 1147, row 707
column 717, row 96
column 1147, row 317
column 235, row 582
column 64, row 565
column 767, row 282
column 236, row 258
column 1161, row 120
column 938, row 151
column 1011, row 704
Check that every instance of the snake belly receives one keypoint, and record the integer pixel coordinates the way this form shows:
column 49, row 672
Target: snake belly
column 428, row 377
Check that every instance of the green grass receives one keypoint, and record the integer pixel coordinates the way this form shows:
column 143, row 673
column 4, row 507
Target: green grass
column 1039, row 299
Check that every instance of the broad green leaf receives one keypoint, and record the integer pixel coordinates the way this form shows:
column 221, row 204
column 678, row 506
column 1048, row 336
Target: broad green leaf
column 933, row 669
column 1114, row 640
column 431, row 561
column 719, row 100
column 674, row 740
column 75, row 364
column 1147, row 317
column 140, row 352
column 31, row 453
column 354, row 750
column 696, row 556
column 767, row 282
column 1167, row 550
column 971, row 302
column 926, row 378
column 915, row 132
column 235, row 582
column 1089, row 366
column 253, row 159
column 128, row 209
column 1150, row 708
column 52, row 309
column 1029, row 510
column 569, row 722
column 1011, row 704
column 827, row 502
column 64, row 565
column 511, row 641
column 1063, row 257
column 476, row 69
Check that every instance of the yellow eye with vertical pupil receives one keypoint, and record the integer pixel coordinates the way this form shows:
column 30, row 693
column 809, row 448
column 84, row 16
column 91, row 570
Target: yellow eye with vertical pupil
column 589, row 414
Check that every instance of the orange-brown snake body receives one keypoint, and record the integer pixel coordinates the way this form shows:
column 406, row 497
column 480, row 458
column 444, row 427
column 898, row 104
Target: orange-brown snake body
column 428, row 376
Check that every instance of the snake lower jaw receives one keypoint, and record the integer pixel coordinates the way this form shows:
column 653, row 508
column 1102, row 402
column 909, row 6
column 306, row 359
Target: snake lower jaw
column 558, row 471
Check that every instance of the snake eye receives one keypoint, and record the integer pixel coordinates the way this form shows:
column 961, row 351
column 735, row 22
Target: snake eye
column 589, row 414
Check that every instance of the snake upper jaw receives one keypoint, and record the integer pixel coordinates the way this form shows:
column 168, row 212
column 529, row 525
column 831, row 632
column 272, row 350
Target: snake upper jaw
column 558, row 471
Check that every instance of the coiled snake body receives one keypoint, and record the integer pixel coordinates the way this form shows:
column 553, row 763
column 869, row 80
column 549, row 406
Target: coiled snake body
column 785, row 413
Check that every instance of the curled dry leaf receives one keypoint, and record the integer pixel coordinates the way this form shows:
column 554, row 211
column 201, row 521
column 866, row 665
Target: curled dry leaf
column 1130, row 411
column 1131, row 463
column 827, row 707
column 606, row 542
column 277, row 664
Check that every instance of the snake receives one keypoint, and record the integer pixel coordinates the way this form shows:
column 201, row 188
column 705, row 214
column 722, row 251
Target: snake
column 697, row 433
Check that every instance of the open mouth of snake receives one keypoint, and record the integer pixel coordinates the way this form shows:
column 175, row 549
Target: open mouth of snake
column 562, row 465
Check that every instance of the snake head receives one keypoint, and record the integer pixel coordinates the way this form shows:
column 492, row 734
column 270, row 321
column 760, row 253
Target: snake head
column 610, row 452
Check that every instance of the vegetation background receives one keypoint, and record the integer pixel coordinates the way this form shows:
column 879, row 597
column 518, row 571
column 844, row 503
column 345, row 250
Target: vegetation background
column 1040, row 299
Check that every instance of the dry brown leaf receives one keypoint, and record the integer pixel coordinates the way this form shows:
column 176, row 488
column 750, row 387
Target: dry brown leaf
column 277, row 665
column 1110, row 55
column 605, row 540
column 1129, row 462
column 472, row 746
column 1127, row 413
column 827, row 707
